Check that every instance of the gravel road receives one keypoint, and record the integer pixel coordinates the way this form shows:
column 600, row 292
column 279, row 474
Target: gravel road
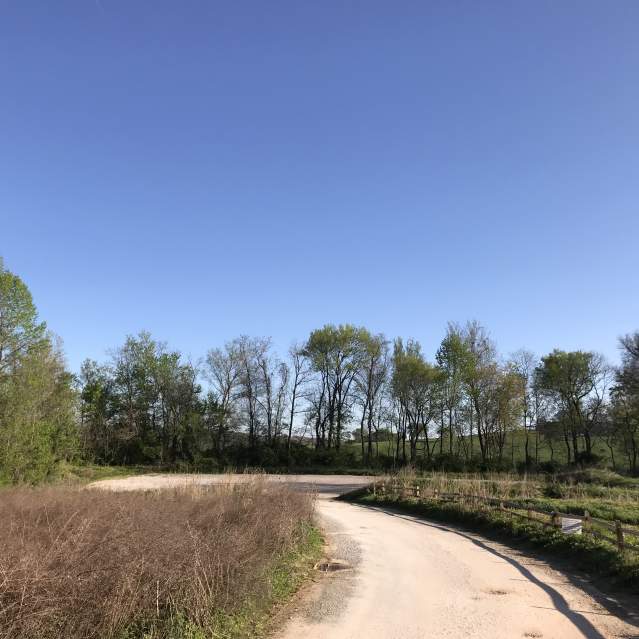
column 414, row 579
column 407, row 578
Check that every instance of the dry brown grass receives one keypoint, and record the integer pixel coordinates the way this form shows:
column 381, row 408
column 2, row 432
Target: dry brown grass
column 501, row 485
column 511, row 486
column 80, row 563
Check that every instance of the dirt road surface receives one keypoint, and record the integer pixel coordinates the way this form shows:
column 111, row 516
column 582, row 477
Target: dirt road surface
column 407, row 578
column 326, row 486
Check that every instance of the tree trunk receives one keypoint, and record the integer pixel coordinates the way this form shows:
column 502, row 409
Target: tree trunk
column 567, row 446
column 588, row 442
column 471, row 430
column 361, row 434
column 290, row 422
column 369, row 454
column 450, row 431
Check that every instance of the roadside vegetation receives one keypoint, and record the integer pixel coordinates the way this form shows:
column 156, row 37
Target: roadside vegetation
column 601, row 493
column 182, row 564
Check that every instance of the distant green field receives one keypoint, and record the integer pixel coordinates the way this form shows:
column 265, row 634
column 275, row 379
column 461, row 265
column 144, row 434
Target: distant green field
column 514, row 449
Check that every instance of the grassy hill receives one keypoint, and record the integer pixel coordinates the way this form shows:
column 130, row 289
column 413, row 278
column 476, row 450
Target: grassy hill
column 514, row 449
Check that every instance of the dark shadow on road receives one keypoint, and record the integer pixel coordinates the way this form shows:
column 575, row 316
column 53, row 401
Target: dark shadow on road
column 559, row 602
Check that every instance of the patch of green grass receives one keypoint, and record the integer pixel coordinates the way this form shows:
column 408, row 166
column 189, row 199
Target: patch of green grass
column 70, row 474
column 599, row 478
column 584, row 552
column 627, row 513
column 514, row 449
column 85, row 473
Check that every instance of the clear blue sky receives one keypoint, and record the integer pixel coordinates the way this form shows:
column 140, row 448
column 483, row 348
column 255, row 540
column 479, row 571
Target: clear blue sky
column 206, row 169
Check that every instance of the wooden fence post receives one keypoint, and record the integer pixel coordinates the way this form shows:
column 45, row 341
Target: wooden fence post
column 619, row 531
column 529, row 514
column 555, row 520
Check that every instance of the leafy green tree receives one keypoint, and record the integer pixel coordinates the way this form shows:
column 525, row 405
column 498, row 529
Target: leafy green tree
column 452, row 359
column 143, row 407
column 510, row 391
column 336, row 354
column 37, row 399
column 628, row 373
column 494, row 392
column 97, row 405
column 132, row 366
column 369, row 384
column 176, row 406
column 577, row 382
column 624, row 409
column 523, row 363
column 20, row 329
column 415, row 384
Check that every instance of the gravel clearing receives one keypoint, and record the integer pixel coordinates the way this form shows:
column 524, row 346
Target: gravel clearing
column 326, row 486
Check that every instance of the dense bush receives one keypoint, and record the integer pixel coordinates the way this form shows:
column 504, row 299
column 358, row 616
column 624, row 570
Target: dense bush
column 585, row 459
column 550, row 467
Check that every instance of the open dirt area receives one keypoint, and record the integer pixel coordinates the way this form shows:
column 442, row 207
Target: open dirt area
column 324, row 485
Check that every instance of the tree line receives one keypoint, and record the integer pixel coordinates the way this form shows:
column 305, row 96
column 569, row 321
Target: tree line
column 345, row 384
column 330, row 401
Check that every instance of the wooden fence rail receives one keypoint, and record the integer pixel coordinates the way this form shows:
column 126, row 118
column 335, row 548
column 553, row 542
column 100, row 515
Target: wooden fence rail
column 590, row 525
